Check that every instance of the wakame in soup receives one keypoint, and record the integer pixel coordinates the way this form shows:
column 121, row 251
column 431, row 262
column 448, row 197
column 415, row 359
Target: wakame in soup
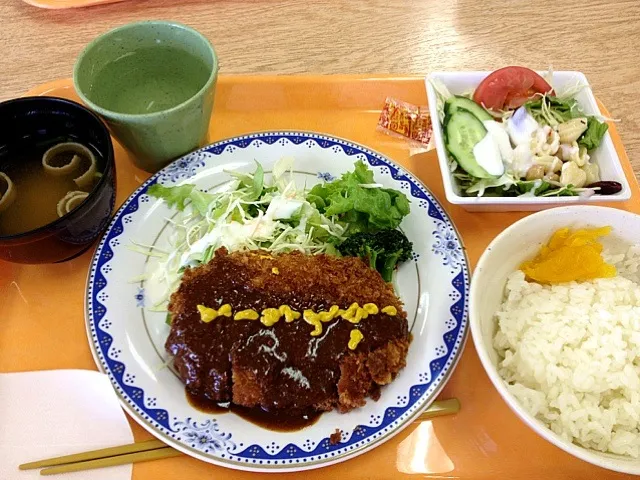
column 43, row 181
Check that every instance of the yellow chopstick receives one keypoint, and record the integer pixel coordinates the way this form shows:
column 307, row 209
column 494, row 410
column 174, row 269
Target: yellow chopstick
column 155, row 449
column 95, row 454
column 440, row 408
column 137, row 457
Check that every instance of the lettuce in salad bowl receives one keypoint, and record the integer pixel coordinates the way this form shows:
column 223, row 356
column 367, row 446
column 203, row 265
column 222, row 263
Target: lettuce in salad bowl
column 515, row 139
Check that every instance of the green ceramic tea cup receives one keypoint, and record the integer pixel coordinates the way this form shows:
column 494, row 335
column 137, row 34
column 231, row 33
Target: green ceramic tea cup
column 153, row 83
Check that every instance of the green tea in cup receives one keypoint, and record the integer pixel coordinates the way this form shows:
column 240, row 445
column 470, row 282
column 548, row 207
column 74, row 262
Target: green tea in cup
column 149, row 80
column 153, row 83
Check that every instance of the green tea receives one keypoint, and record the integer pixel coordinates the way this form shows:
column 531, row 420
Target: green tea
column 149, row 80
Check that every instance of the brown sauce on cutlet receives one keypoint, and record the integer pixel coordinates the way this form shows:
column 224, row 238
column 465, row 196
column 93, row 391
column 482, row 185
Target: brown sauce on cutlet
column 281, row 367
column 276, row 421
column 204, row 405
column 279, row 420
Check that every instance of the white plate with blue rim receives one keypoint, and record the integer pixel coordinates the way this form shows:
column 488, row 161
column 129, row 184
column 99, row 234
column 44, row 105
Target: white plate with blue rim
column 127, row 339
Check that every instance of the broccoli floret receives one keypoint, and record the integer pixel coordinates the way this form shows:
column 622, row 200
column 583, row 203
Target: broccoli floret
column 382, row 250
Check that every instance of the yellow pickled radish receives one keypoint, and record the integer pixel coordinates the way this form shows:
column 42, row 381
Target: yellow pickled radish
column 570, row 256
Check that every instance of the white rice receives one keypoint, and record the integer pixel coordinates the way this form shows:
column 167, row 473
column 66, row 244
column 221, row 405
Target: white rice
column 570, row 354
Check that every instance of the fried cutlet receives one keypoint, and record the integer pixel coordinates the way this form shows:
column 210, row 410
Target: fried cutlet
column 283, row 366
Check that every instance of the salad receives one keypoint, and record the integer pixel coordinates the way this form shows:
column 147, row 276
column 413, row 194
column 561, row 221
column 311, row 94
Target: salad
column 352, row 216
column 516, row 136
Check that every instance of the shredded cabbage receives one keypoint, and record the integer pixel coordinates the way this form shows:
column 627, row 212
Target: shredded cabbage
column 250, row 214
column 479, row 187
column 442, row 94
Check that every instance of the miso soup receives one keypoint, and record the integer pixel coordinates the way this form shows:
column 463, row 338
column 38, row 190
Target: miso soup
column 35, row 192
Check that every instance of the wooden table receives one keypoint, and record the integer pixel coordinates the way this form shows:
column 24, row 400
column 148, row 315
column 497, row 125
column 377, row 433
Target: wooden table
column 368, row 36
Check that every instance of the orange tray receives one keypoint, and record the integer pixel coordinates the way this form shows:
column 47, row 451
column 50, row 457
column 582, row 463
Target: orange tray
column 42, row 321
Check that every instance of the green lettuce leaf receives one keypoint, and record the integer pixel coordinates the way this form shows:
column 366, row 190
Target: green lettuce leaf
column 174, row 196
column 257, row 183
column 556, row 110
column 178, row 196
column 592, row 136
column 201, row 201
column 364, row 209
column 252, row 184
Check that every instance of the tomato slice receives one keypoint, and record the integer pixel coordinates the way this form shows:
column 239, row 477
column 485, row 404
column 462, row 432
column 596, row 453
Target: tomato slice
column 510, row 87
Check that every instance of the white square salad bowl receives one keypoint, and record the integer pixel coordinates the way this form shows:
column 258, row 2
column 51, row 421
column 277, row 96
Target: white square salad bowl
column 605, row 156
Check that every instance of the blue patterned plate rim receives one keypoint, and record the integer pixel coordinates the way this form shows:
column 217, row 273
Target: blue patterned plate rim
column 157, row 421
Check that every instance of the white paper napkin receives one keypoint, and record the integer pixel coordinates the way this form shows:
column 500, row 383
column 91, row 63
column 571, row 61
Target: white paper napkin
column 59, row 412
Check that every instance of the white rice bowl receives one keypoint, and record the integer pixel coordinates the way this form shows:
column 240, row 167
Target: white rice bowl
column 571, row 356
column 565, row 358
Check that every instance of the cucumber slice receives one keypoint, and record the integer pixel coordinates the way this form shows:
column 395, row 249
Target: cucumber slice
column 463, row 131
column 455, row 103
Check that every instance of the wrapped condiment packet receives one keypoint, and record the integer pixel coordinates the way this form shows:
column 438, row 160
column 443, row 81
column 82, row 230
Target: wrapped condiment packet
column 408, row 121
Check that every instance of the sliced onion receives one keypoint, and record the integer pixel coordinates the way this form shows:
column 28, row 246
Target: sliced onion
column 70, row 201
column 70, row 166
column 7, row 192
column 84, row 181
column 587, row 193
